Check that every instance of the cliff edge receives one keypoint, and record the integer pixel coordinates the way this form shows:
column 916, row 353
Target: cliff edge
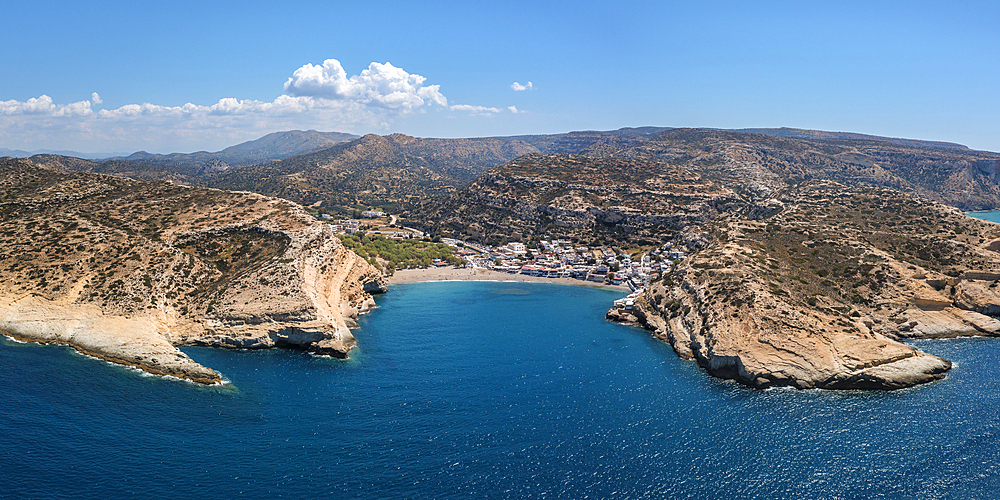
column 820, row 287
column 127, row 271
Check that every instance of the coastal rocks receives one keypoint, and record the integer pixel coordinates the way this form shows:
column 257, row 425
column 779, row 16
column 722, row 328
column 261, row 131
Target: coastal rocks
column 141, row 342
column 787, row 349
column 948, row 322
column 135, row 270
column 979, row 297
column 822, row 295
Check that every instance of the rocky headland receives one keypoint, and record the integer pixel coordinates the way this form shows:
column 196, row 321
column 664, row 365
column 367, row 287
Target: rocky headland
column 128, row 271
column 819, row 286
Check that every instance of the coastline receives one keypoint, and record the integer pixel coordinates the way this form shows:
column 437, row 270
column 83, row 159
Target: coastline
column 430, row 274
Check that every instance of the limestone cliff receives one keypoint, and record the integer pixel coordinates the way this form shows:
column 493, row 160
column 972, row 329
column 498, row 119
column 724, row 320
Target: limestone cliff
column 820, row 289
column 127, row 271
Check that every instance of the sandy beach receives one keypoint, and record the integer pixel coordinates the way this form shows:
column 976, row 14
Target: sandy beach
column 468, row 274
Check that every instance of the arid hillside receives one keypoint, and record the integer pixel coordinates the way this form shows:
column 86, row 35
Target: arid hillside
column 375, row 170
column 817, row 287
column 742, row 168
column 575, row 196
column 127, row 270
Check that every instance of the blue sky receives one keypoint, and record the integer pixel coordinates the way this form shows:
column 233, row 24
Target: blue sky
column 185, row 76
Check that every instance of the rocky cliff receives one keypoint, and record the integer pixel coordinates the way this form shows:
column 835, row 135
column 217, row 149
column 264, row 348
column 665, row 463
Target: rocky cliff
column 818, row 286
column 128, row 271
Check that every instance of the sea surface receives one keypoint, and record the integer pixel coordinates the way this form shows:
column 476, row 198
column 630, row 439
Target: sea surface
column 990, row 215
column 488, row 390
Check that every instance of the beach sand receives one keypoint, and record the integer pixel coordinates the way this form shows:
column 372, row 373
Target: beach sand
column 468, row 274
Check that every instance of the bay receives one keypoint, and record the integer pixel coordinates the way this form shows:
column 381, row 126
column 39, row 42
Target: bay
column 490, row 390
column 990, row 215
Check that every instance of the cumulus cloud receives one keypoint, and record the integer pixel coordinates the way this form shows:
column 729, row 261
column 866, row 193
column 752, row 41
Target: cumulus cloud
column 518, row 87
column 513, row 109
column 381, row 85
column 43, row 106
column 316, row 96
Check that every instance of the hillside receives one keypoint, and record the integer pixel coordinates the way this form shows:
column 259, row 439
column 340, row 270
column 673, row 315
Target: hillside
column 758, row 164
column 192, row 168
column 399, row 172
column 743, row 168
column 390, row 171
column 577, row 197
column 799, row 133
column 127, row 271
column 819, row 289
column 273, row 146
column 375, row 170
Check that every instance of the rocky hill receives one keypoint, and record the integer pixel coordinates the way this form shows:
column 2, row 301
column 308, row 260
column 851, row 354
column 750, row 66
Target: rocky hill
column 577, row 197
column 742, row 168
column 575, row 142
column 192, row 168
column 817, row 286
column 390, row 171
column 375, row 170
column 799, row 133
column 756, row 164
column 127, row 271
column 273, row 146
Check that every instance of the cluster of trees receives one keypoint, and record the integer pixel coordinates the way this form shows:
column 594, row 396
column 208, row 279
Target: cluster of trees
column 390, row 254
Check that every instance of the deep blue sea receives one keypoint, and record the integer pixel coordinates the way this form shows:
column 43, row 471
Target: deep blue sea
column 488, row 390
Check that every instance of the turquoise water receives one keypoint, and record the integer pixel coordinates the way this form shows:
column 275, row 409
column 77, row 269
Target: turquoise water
column 992, row 215
column 488, row 390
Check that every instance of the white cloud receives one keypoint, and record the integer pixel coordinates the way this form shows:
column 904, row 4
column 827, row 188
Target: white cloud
column 518, row 87
column 381, row 85
column 476, row 110
column 40, row 124
column 316, row 96
column 513, row 109
column 43, row 106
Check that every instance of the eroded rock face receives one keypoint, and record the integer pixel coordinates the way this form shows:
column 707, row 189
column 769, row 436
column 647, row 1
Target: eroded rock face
column 127, row 271
column 772, row 343
column 823, row 293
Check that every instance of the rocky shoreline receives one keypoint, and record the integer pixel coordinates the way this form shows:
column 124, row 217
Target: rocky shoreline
column 128, row 271
column 821, row 294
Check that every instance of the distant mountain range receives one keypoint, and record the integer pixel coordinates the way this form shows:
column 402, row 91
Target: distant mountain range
column 274, row 146
column 343, row 172
column 18, row 153
column 798, row 133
